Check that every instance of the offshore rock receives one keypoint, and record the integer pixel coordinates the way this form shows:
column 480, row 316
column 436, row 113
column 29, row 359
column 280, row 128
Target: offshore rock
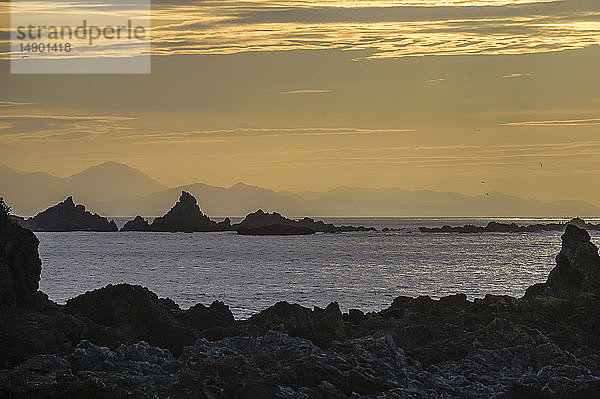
column 275, row 230
column 66, row 216
column 186, row 216
column 137, row 224
column 497, row 227
column 261, row 223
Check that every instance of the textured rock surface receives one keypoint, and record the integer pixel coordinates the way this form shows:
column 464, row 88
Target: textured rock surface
column 135, row 314
column 577, row 271
column 107, row 343
column 66, row 216
column 186, row 216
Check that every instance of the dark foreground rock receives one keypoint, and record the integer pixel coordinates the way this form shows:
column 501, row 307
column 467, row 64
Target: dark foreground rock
column 123, row 341
column 497, row 227
column 66, row 216
column 20, row 264
column 261, row 223
column 186, row 216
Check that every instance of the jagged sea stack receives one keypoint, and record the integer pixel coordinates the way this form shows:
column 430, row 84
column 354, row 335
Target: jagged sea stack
column 66, row 216
column 186, row 216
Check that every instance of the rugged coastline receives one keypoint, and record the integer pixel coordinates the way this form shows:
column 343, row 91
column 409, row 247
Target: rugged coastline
column 497, row 227
column 124, row 341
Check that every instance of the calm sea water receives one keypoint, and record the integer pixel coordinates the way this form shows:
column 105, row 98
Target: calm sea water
column 358, row 270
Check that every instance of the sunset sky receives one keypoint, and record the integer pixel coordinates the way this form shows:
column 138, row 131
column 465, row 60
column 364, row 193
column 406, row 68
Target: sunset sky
column 314, row 94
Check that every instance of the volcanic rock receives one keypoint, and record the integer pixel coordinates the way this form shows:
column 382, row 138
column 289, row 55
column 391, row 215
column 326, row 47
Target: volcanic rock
column 66, row 216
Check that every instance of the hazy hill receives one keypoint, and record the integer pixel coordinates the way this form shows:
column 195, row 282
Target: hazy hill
column 29, row 193
column 113, row 189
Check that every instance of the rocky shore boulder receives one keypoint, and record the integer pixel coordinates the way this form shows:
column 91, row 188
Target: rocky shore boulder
column 20, row 264
column 137, row 224
column 134, row 313
column 577, row 271
column 66, row 216
column 186, row 216
column 321, row 326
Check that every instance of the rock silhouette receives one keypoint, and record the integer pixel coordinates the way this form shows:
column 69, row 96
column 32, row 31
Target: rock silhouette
column 497, row 227
column 66, row 216
column 20, row 264
column 261, row 223
column 123, row 340
column 577, row 271
column 136, row 224
column 186, row 216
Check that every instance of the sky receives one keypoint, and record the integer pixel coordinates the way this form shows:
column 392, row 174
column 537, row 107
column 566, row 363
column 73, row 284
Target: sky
column 315, row 94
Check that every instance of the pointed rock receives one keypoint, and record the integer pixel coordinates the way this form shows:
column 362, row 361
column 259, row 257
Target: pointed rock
column 186, row 216
column 66, row 216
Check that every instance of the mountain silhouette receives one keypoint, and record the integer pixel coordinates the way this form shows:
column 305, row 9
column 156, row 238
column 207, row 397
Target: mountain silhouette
column 115, row 189
column 34, row 192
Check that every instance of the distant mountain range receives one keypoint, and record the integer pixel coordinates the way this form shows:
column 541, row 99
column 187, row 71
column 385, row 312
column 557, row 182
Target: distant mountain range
column 115, row 189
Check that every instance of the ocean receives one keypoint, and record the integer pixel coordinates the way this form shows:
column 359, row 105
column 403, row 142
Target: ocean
column 249, row 273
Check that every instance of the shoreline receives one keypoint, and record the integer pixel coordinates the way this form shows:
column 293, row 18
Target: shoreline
column 124, row 338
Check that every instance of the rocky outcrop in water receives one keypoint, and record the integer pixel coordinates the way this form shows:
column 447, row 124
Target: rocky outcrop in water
column 186, row 216
column 136, row 224
column 261, row 223
column 577, row 271
column 497, row 227
column 66, row 216
column 275, row 230
column 124, row 341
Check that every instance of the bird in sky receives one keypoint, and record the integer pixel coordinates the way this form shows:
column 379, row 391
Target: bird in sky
column 541, row 165
column 482, row 182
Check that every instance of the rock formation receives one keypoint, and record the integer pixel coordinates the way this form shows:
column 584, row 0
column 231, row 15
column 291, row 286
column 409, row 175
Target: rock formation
column 275, row 230
column 124, row 341
column 66, row 216
column 496, row 227
column 261, row 223
column 185, row 216
column 20, row 265
column 577, row 271
column 137, row 224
